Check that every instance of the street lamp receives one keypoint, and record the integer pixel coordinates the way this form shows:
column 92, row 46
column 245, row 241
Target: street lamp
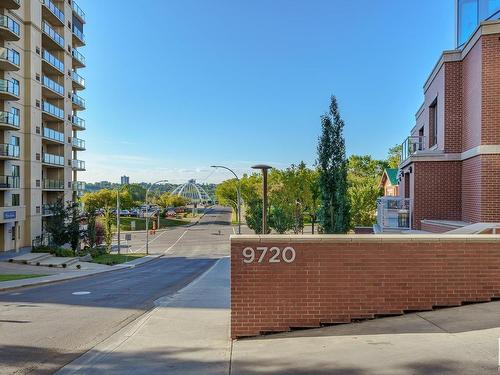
column 263, row 168
column 118, row 214
column 238, row 191
column 147, row 212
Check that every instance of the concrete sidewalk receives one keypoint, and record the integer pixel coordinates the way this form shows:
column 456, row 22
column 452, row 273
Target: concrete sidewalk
column 185, row 334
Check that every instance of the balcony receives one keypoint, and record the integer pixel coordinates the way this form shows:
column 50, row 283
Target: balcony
column 78, row 187
column 9, row 121
column 52, row 13
column 394, row 214
column 78, row 144
column 9, row 152
column 78, row 165
column 52, row 64
column 53, row 136
column 9, row 59
column 78, row 12
column 12, row 214
column 51, row 37
column 53, row 185
column 9, row 90
column 51, row 89
column 53, row 160
column 78, row 123
column 10, row 4
column 411, row 146
column 51, row 113
column 78, row 81
column 9, row 29
column 9, row 182
column 78, row 37
column 47, row 210
column 78, row 59
column 78, row 102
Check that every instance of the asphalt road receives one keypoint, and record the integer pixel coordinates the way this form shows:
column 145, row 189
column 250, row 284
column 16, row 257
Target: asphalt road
column 43, row 328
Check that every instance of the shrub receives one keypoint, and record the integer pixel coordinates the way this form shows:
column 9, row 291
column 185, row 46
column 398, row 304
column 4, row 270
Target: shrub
column 42, row 249
column 62, row 252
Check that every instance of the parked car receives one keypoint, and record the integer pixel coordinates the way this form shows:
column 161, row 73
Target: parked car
column 171, row 213
column 124, row 213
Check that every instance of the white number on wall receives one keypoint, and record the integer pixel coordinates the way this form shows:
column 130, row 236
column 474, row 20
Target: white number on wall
column 277, row 255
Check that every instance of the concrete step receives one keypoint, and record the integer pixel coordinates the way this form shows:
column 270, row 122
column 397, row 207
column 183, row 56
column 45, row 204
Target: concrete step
column 30, row 258
column 61, row 262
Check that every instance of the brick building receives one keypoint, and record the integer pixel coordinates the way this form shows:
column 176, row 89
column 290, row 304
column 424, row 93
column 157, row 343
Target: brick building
column 450, row 164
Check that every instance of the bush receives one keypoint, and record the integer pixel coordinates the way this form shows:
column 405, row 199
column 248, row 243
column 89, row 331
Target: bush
column 42, row 249
column 56, row 251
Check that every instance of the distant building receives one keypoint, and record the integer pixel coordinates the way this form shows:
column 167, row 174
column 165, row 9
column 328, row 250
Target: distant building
column 125, row 180
column 390, row 182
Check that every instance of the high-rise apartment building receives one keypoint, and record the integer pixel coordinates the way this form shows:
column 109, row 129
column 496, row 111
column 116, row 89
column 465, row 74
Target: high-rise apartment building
column 40, row 121
column 124, row 180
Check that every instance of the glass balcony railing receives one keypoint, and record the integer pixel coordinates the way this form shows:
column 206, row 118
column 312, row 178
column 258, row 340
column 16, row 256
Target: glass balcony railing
column 54, row 61
column 52, row 134
column 53, row 110
column 55, row 10
column 53, row 184
column 47, row 210
column 412, row 145
column 78, row 11
column 78, row 185
column 9, row 118
column 77, row 121
column 9, row 150
column 78, row 165
column 53, row 159
column 79, row 101
column 10, row 55
column 9, row 182
column 9, row 87
column 54, row 86
column 78, row 143
column 78, row 78
column 79, row 34
column 47, row 29
column 77, row 55
column 10, row 24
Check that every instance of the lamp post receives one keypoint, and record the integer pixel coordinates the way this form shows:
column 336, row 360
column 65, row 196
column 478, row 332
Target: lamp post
column 118, row 215
column 264, row 169
column 238, row 191
column 147, row 212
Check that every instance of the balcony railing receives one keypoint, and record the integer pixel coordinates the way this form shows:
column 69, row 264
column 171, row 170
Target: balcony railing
column 53, row 135
column 78, row 56
column 78, row 143
column 54, row 61
column 79, row 101
column 78, row 78
column 53, row 110
column 9, row 182
column 9, row 87
column 9, row 118
column 78, row 185
column 78, row 33
column 53, row 184
column 78, row 122
column 412, row 145
column 55, row 10
column 8, row 150
column 9, row 23
column 78, row 11
column 53, row 159
column 47, row 210
column 10, row 55
column 47, row 29
column 78, row 165
column 394, row 213
column 54, row 86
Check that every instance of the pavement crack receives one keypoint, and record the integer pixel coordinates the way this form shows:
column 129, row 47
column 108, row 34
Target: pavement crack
column 434, row 324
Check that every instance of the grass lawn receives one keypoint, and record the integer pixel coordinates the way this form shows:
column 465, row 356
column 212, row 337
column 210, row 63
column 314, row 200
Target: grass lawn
column 111, row 259
column 17, row 277
column 140, row 223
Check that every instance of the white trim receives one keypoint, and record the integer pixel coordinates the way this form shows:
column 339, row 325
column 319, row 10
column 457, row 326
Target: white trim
column 433, row 156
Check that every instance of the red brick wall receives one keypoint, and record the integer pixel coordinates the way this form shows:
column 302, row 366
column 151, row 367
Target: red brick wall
column 453, row 107
column 335, row 279
column 490, row 133
column 435, row 228
column 437, row 191
column 471, row 74
column 490, row 187
column 471, row 190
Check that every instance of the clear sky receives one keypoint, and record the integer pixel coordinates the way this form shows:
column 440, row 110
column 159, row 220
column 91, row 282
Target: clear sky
column 174, row 86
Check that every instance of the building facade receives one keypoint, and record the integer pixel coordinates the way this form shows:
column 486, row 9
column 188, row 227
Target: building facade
column 450, row 164
column 40, row 121
column 124, row 180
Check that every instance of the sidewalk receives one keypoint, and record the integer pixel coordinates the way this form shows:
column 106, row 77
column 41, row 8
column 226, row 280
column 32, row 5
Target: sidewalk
column 185, row 334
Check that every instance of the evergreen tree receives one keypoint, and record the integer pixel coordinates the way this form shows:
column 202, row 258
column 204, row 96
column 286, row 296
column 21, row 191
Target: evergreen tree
column 332, row 165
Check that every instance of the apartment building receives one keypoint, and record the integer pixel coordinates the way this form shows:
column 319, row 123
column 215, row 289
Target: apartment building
column 450, row 165
column 40, row 120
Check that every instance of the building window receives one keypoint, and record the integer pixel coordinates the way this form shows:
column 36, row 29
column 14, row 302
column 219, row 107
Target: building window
column 16, row 200
column 37, row 209
column 38, row 183
column 433, row 124
column 14, row 140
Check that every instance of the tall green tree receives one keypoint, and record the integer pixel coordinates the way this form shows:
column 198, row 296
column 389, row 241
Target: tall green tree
column 55, row 225
column 332, row 166
column 394, row 156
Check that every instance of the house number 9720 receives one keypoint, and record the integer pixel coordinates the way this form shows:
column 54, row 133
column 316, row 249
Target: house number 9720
column 277, row 255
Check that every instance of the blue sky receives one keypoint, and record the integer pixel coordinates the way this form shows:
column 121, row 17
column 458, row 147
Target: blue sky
column 174, row 86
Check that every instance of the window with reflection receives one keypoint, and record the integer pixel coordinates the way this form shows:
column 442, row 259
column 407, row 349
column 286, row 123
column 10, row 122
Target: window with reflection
column 471, row 12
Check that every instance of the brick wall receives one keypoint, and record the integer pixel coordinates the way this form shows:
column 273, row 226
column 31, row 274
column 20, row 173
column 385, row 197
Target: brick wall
column 471, row 190
column 435, row 228
column 471, row 98
column 453, row 107
column 490, row 187
column 437, row 191
column 335, row 279
column 490, row 133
